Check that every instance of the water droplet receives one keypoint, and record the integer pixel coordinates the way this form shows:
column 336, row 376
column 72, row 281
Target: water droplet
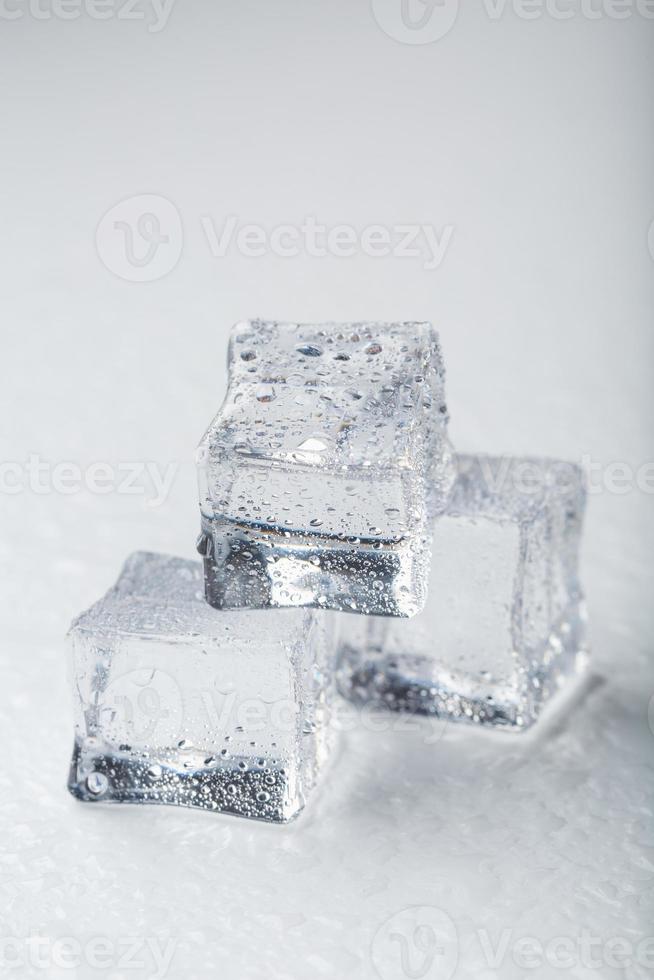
column 265, row 394
column 154, row 771
column 248, row 355
column 97, row 783
column 262, row 796
column 313, row 445
column 309, row 350
column 373, row 349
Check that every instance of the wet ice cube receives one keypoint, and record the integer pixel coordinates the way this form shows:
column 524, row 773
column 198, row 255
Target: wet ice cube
column 176, row 702
column 504, row 623
column 315, row 475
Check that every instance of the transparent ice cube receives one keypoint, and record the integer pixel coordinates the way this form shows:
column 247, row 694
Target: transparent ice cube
column 179, row 703
column 504, row 623
column 315, row 474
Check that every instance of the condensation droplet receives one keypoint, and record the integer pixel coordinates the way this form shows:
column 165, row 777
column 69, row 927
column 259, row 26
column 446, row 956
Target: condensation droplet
column 97, row 783
column 265, row 394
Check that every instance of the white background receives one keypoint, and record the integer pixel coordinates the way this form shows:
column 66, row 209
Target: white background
column 532, row 140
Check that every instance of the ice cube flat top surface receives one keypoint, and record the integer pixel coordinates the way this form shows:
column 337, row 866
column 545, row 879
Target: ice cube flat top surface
column 161, row 595
column 510, row 488
column 333, row 394
column 342, row 402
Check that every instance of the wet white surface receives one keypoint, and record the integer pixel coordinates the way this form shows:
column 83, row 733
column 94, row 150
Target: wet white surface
column 532, row 139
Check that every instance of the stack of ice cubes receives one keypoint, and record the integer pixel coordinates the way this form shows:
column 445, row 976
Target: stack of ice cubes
column 327, row 486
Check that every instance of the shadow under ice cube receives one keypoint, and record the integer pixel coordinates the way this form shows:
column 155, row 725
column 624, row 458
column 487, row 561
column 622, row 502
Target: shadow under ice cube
column 317, row 475
column 179, row 703
column 504, row 623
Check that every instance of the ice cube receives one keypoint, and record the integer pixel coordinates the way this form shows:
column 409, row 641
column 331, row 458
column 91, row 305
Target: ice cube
column 504, row 623
column 315, row 474
column 179, row 703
